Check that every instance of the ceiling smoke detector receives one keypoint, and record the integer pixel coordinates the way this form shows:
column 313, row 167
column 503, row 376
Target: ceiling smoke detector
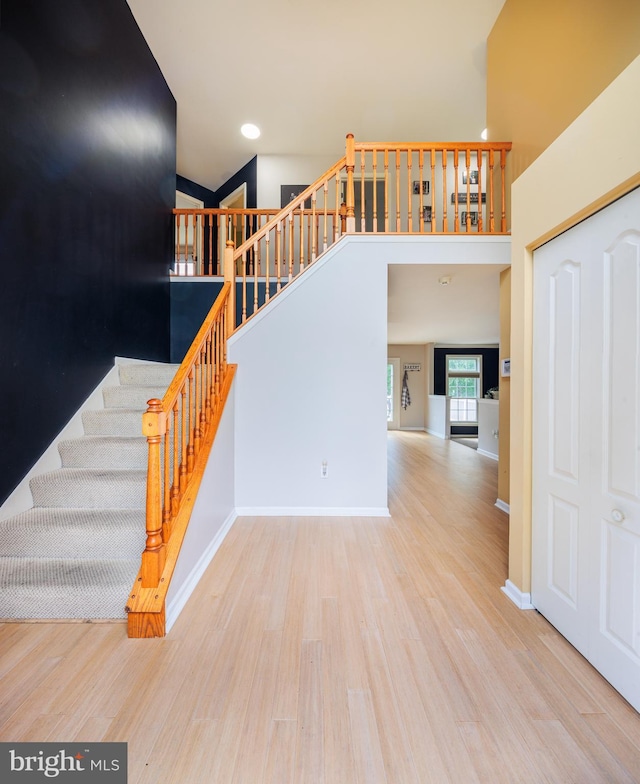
column 445, row 280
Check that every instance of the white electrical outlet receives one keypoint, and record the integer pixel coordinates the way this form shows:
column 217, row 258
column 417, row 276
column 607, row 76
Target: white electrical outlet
column 324, row 469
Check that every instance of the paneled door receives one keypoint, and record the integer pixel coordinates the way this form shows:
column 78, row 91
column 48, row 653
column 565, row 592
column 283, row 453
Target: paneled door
column 586, row 440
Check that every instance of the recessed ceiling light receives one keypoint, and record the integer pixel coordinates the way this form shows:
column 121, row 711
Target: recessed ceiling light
column 250, row 130
column 484, row 135
column 445, row 280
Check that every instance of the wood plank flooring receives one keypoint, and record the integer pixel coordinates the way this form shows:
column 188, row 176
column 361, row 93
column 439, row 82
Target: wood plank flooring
column 338, row 651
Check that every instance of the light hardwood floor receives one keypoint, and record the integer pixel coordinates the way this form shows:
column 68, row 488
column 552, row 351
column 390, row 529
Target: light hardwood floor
column 338, row 650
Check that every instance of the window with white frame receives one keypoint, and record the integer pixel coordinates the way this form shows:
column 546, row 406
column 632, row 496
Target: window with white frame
column 464, row 383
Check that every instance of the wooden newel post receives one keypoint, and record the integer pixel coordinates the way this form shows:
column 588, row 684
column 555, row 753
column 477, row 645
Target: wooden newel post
column 351, row 163
column 230, row 277
column 153, row 557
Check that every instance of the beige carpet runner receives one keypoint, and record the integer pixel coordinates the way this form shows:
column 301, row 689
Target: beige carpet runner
column 76, row 553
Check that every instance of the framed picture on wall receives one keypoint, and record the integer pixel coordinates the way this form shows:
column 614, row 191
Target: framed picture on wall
column 420, row 186
column 289, row 192
column 426, row 214
column 471, row 176
column 473, row 216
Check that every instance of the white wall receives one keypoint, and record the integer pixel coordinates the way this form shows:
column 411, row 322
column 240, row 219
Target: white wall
column 488, row 418
column 212, row 516
column 438, row 416
column 276, row 170
column 414, row 416
column 311, row 387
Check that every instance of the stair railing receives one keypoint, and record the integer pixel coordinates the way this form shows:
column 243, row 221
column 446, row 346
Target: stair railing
column 423, row 188
column 179, row 431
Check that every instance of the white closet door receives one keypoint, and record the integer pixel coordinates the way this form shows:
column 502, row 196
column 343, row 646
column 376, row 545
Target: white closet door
column 586, row 443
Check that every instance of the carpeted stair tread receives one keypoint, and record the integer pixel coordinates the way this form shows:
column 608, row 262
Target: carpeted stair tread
column 110, row 452
column 44, row 532
column 76, row 553
column 113, row 422
column 141, row 374
column 77, row 487
column 65, row 588
column 132, row 397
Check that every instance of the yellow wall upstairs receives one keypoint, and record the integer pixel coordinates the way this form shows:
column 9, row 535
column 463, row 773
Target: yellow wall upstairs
column 547, row 61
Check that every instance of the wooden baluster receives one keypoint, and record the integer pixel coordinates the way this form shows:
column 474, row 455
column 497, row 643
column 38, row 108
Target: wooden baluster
column 230, row 277
column 191, row 428
column 177, row 223
column 421, row 175
column 503, row 163
column 210, row 240
column 386, row 191
column 153, row 557
column 490, row 183
column 278, row 255
column 291, row 237
column 309, row 237
column 445, row 164
column 338, row 228
column 210, row 388
column 409, row 190
column 433, row 189
column 255, row 281
column 375, row 191
column 184, row 415
column 314, row 227
column 479, row 162
column 456, row 221
column 244, row 286
column 301, row 240
column 326, row 216
column 267, row 265
column 166, row 485
column 175, row 486
column 467, row 162
column 201, row 396
column 363, row 224
column 398, row 224
column 351, row 162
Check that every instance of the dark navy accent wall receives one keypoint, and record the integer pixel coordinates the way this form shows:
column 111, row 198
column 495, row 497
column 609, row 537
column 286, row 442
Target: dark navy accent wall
column 249, row 174
column 489, row 376
column 197, row 191
column 489, row 367
column 87, row 155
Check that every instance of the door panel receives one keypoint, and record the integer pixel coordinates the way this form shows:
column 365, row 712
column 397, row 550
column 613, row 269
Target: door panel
column 586, row 440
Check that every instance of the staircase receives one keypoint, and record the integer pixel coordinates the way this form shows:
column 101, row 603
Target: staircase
column 76, row 553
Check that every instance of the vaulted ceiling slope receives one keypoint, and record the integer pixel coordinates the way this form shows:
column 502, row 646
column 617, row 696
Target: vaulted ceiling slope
column 309, row 73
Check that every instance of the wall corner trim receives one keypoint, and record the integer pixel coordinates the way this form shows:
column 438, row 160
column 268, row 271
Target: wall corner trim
column 519, row 598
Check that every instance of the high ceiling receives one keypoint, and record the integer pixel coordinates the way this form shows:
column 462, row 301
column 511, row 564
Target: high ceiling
column 309, row 73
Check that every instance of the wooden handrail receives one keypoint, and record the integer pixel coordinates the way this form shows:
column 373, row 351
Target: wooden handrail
column 179, row 430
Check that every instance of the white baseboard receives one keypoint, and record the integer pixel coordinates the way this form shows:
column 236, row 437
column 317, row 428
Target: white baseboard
column 487, row 454
column 436, row 433
column 503, row 506
column 518, row 597
column 175, row 607
column 420, row 429
column 312, row 511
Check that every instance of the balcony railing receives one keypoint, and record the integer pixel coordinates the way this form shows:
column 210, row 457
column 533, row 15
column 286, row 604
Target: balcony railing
column 402, row 188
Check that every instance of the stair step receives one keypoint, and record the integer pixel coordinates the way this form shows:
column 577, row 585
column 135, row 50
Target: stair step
column 76, row 487
column 130, row 396
column 141, row 374
column 105, row 452
column 112, row 422
column 65, row 588
column 44, row 532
